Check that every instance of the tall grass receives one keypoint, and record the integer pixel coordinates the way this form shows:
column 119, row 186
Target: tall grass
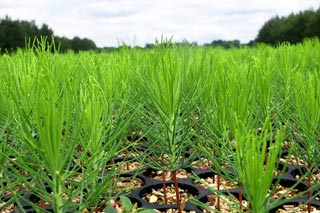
column 166, row 110
column 65, row 115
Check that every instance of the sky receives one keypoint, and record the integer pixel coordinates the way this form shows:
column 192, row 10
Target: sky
column 137, row 22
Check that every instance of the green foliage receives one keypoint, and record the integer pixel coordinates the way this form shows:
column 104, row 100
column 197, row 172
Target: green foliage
column 132, row 208
column 84, row 44
column 55, row 111
column 184, row 100
column 306, row 103
column 128, row 207
column 16, row 34
column 168, row 104
column 224, row 44
column 11, row 34
column 256, row 163
column 293, row 28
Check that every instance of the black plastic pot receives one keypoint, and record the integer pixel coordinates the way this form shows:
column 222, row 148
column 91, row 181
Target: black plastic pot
column 235, row 192
column 185, row 183
column 206, row 174
column 138, row 194
column 127, row 176
column 150, row 173
column 300, row 171
column 30, row 205
column 290, row 181
column 114, row 161
column 30, row 199
column 286, row 180
column 295, row 203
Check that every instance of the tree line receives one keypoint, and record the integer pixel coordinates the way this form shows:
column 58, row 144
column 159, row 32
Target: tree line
column 16, row 34
column 292, row 29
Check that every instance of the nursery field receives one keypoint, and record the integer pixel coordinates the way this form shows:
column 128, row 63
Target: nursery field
column 170, row 129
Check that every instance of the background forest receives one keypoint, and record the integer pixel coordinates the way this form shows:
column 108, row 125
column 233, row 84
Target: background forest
column 292, row 29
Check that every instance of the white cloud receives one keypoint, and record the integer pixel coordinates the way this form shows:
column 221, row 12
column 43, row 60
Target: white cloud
column 138, row 22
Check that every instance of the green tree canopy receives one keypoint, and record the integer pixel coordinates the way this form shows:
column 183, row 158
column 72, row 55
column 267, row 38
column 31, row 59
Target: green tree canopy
column 293, row 28
column 11, row 34
column 14, row 34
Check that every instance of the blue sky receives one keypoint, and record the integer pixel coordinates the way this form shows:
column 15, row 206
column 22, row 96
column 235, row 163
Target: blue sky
column 136, row 22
